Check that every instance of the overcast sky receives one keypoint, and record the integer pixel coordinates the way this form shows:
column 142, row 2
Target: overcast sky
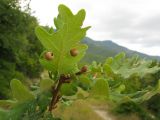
column 134, row 24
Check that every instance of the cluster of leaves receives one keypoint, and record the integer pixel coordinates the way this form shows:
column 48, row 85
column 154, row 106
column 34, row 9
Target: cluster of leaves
column 132, row 83
column 19, row 46
column 26, row 104
column 66, row 37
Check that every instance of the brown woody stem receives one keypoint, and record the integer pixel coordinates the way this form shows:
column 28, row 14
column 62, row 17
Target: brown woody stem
column 55, row 97
column 55, row 91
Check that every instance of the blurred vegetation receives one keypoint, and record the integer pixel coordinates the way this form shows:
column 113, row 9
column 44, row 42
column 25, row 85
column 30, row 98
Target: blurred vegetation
column 76, row 111
column 19, row 47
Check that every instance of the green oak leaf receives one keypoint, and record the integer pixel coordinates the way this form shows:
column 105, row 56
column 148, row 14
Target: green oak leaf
column 46, row 84
column 100, row 88
column 119, row 65
column 68, row 89
column 20, row 92
column 3, row 114
column 67, row 36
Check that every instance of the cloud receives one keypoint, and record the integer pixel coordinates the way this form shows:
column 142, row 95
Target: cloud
column 131, row 23
column 130, row 27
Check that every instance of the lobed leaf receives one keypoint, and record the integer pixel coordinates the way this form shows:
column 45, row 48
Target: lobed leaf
column 66, row 37
column 100, row 88
column 46, row 84
column 20, row 92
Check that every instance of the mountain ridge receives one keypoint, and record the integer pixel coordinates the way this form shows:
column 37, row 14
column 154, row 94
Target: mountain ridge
column 100, row 50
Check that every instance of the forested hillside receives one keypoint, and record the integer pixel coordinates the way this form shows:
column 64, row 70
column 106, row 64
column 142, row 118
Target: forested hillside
column 100, row 50
column 19, row 47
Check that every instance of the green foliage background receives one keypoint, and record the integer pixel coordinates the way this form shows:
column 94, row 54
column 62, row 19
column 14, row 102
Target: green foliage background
column 19, row 47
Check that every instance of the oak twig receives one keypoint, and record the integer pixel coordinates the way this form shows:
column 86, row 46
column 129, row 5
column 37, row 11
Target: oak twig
column 56, row 89
column 57, row 86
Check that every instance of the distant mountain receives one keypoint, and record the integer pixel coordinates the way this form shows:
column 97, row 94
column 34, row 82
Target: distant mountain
column 100, row 50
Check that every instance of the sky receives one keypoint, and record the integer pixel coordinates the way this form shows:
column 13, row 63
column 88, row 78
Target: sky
column 134, row 24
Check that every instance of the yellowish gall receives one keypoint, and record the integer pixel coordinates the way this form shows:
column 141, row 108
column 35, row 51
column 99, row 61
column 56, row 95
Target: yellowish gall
column 48, row 55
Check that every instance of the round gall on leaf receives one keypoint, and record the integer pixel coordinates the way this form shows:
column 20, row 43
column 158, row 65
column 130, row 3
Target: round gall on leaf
column 84, row 69
column 48, row 56
column 74, row 52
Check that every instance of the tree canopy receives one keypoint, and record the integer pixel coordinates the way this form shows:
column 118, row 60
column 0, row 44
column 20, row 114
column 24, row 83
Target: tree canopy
column 19, row 47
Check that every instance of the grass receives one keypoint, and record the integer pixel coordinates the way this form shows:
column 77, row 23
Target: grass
column 86, row 110
column 79, row 110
